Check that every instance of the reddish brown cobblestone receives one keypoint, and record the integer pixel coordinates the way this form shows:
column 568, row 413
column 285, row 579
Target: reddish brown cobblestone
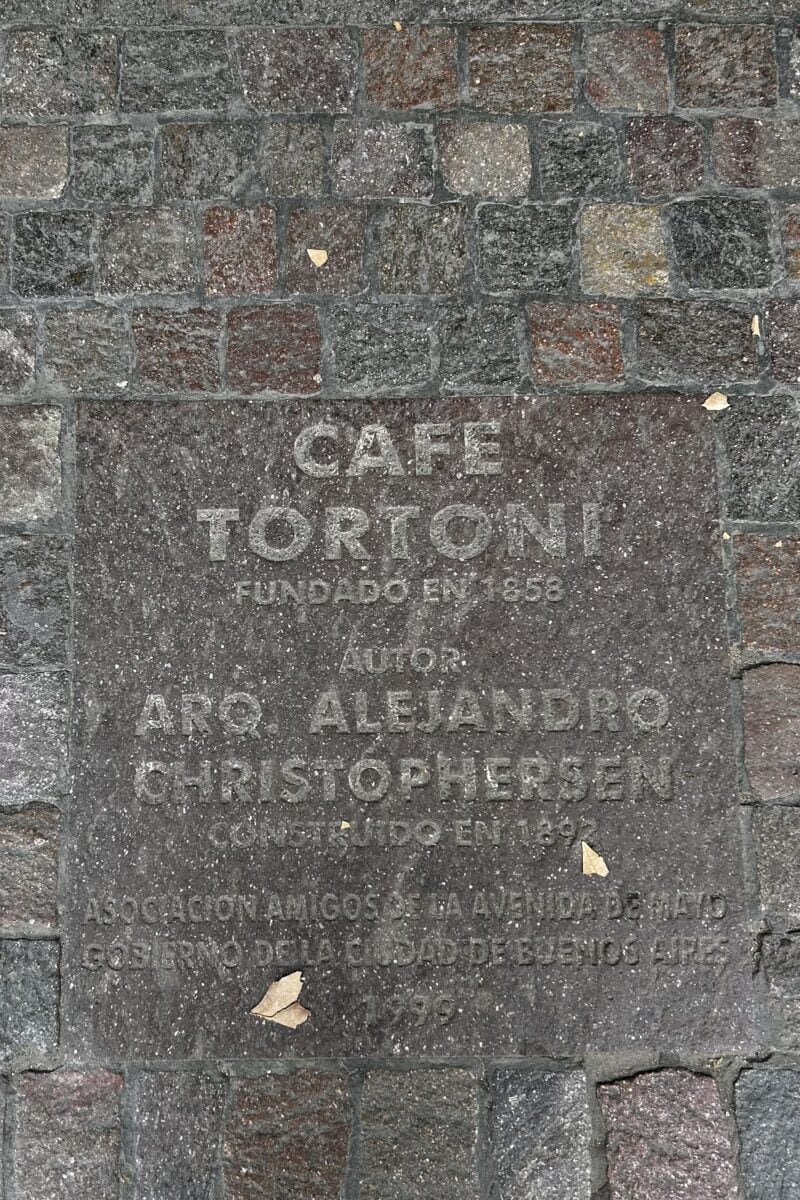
column 771, row 697
column 665, row 156
column 521, row 68
column 751, row 152
column 287, row 1137
column 67, row 1138
column 667, row 1138
column 274, row 349
column 410, row 68
column 239, row 250
column 576, row 343
column 768, row 584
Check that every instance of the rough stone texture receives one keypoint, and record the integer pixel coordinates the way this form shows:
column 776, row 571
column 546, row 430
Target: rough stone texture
column 725, row 66
column 67, row 1139
column 410, row 68
column 29, row 866
column 287, row 1137
column 209, row 161
column 579, row 160
column 667, row 1138
column 147, row 250
column 623, row 250
column 339, row 231
column 33, row 739
column 113, row 164
column 296, row 156
column 30, row 466
column 419, row 1134
column 382, row 160
column 771, row 698
column 175, row 70
column 768, row 1116
column 273, row 349
column 722, row 242
column 52, row 254
column 776, row 832
column 34, row 161
column 298, row 70
column 17, row 350
column 239, row 250
column 768, row 585
column 665, row 155
column 87, row 351
column 34, row 600
column 695, row 342
column 47, row 73
column 762, row 436
column 791, row 240
column 422, row 248
column 750, row 152
column 540, row 1135
column 379, row 347
column 735, row 151
column 478, row 346
column 177, row 351
column 485, row 158
column 29, row 990
column 783, row 330
column 529, row 248
column 626, row 68
column 575, row 343
column 521, row 69
column 178, row 1129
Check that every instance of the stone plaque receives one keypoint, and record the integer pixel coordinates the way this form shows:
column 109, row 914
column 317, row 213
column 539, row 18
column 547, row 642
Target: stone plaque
column 361, row 689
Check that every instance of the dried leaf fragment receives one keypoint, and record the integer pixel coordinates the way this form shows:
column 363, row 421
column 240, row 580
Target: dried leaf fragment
column 345, row 825
column 291, row 1016
column 593, row 863
column 716, row 402
column 279, row 996
column 318, row 257
column 398, row 25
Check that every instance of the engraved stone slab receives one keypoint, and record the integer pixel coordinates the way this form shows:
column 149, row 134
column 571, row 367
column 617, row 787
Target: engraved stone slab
column 354, row 685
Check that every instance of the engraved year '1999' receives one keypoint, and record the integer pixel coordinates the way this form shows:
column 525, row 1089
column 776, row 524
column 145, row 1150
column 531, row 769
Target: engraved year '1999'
column 417, row 1009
